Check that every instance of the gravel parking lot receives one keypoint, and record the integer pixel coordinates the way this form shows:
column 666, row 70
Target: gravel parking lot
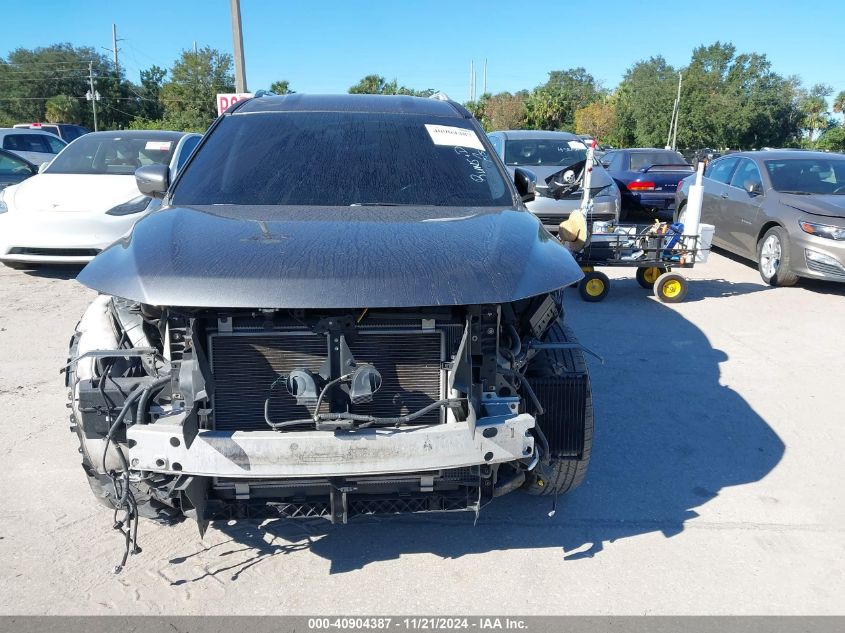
column 716, row 485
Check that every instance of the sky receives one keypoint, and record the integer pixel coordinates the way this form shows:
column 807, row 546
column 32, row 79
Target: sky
column 326, row 46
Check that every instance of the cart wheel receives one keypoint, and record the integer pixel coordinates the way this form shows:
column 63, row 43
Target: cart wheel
column 671, row 288
column 647, row 276
column 594, row 286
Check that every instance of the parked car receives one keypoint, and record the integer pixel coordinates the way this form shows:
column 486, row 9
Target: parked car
column 14, row 169
column 784, row 210
column 353, row 329
column 65, row 131
column 562, row 155
column 86, row 198
column 35, row 146
column 646, row 177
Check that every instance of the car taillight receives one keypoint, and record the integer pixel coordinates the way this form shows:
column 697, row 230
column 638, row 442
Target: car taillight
column 641, row 186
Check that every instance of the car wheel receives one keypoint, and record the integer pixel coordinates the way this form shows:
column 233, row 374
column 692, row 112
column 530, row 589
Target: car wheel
column 647, row 276
column 680, row 213
column 594, row 286
column 773, row 258
column 671, row 288
column 562, row 475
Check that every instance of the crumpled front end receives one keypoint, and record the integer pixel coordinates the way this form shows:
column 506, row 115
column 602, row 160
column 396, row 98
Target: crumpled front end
column 245, row 413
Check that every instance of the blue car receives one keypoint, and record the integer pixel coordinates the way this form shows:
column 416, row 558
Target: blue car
column 647, row 178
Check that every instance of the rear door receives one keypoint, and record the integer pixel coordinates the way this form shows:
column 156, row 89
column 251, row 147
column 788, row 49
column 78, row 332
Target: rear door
column 741, row 208
column 717, row 178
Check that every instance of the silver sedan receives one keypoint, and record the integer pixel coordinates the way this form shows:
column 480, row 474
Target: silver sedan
column 564, row 154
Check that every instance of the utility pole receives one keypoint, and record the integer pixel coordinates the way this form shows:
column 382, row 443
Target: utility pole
column 238, row 39
column 672, row 139
column 677, row 114
column 93, row 92
column 485, row 77
column 114, row 48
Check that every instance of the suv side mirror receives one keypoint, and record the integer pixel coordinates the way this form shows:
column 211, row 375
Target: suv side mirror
column 153, row 180
column 526, row 183
column 753, row 188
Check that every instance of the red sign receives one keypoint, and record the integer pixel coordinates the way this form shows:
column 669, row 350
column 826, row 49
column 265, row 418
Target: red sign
column 226, row 100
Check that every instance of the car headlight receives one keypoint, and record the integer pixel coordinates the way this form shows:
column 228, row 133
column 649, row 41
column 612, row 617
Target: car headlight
column 3, row 207
column 823, row 230
column 607, row 190
column 135, row 205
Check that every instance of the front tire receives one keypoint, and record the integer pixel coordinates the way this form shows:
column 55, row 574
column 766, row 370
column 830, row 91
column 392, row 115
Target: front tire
column 773, row 258
column 561, row 475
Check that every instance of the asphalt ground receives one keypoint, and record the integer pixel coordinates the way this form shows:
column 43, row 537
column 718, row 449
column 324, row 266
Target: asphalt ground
column 716, row 485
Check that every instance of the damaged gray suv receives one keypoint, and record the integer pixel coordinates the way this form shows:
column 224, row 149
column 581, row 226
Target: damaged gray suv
column 342, row 308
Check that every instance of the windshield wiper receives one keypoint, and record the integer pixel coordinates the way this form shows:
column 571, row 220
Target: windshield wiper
column 797, row 193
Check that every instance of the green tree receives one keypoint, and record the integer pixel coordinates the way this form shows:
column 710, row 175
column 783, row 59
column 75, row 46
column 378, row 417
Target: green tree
column 552, row 106
column 833, row 139
column 151, row 106
column 839, row 103
column 378, row 85
column 281, row 87
column 189, row 96
column 31, row 77
column 813, row 105
column 644, row 103
column 62, row 109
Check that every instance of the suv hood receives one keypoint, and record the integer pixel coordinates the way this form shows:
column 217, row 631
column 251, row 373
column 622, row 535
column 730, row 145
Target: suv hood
column 291, row 257
column 832, row 206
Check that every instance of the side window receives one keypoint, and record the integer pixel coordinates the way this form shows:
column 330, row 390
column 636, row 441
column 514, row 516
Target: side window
column 187, row 147
column 55, row 144
column 615, row 162
column 11, row 165
column 746, row 173
column 721, row 169
column 498, row 145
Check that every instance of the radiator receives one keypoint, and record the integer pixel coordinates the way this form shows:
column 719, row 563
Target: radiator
column 244, row 366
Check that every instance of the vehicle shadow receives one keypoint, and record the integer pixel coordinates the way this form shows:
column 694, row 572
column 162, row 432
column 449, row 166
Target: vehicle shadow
column 627, row 289
column 64, row 272
column 669, row 438
column 813, row 285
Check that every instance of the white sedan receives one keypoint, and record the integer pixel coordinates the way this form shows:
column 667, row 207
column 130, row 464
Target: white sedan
column 86, row 199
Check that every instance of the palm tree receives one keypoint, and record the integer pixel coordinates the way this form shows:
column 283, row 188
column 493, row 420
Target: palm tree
column 839, row 102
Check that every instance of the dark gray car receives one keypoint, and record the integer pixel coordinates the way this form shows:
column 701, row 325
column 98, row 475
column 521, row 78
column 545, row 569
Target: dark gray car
column 783, row 209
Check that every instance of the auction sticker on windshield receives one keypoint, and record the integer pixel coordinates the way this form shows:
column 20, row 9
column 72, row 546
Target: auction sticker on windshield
column 162, row 146
column 455, row 136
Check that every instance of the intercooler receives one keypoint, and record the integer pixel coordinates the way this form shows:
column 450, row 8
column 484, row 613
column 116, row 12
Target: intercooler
column 246, row 364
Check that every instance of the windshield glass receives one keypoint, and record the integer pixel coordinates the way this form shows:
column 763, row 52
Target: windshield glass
column 342, row 159
column 116, row 154
column 641, row 160
column 808, row 175
column 537, row 152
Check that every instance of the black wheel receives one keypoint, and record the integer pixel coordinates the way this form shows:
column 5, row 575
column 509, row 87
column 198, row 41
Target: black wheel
column 647, row 276
column 773, row 258
column 678, row 216
column 558, row 476
column 18, row 265
column 594, row 286
column 671, row 288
